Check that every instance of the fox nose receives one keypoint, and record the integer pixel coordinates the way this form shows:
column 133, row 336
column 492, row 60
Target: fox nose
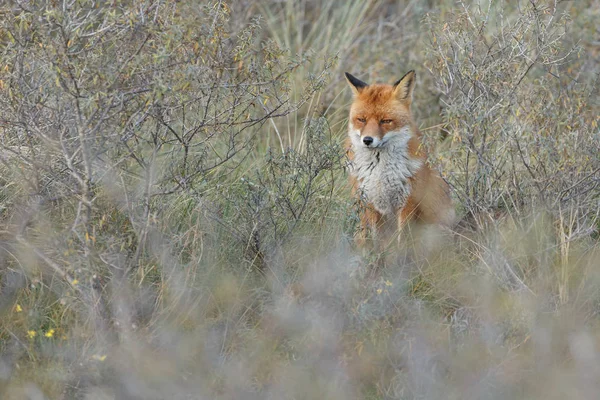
column 368, row 140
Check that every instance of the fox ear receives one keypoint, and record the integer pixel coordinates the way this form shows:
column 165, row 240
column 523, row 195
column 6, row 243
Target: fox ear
column 404, row 87
column 356, row 84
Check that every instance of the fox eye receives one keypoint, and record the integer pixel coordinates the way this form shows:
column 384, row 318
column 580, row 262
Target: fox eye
column 386, row 121
column 363, row 120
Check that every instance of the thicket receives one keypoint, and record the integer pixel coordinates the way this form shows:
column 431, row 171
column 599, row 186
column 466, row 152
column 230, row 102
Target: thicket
column 176, row 223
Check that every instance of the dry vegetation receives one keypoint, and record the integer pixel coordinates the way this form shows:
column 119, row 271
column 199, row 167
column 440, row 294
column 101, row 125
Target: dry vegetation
column 176, row 224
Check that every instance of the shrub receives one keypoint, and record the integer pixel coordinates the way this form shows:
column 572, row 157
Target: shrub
column 519, row 106
column 175, row 212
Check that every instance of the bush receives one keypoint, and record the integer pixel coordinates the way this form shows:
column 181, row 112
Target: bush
column 519, row 105
column 176, row 218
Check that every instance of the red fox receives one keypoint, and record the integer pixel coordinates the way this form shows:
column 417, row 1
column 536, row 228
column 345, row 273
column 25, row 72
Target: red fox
column 388, row 169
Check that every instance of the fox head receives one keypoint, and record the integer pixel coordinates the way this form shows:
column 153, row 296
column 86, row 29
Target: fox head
column 380, row 113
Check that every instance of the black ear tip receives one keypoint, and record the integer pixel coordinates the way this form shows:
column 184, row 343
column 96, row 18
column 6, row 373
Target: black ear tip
column 410, row 74
column 354, row 81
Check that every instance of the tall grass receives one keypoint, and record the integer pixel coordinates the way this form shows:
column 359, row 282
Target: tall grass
column 176, row 221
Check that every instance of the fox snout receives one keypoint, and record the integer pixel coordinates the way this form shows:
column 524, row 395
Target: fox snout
column 367, row 139
column 368, row 135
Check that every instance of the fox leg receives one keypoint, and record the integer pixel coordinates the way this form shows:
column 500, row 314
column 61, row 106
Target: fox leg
column 370, row 221
column 404, row 216
column 372, row 237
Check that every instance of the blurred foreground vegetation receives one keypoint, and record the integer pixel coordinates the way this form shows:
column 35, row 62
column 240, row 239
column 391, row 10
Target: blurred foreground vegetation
column 176, row 223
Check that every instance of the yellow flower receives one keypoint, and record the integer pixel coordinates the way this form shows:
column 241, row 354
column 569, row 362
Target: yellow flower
column 98, row 357
column 74, row 282
column 31, row 334
column 388, row 283
column 18, row 308
column 50, row 333
column 379, row 291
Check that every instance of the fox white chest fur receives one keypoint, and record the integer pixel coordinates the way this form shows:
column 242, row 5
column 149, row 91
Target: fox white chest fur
column 383, row 172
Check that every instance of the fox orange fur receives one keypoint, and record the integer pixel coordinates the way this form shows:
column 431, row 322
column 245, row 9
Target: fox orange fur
column 388, row 169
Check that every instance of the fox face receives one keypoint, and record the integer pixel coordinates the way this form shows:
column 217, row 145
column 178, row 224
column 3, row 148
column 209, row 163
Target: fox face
column 380, row 114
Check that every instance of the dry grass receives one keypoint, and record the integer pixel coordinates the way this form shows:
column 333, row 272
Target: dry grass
column 176, row 221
